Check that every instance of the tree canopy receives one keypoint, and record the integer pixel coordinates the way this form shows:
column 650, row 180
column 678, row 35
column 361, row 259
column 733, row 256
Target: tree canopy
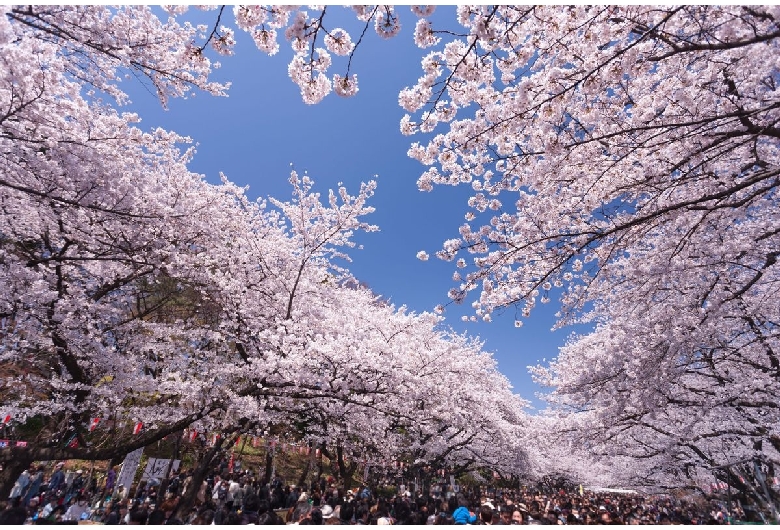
column 623, row 160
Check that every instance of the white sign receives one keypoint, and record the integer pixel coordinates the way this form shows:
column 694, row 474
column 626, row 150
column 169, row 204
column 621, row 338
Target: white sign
column 129, row 467
column 156, row 468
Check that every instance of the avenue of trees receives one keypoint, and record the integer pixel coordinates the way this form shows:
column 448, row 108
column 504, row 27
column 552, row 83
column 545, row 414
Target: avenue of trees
column 623, row 160
column 137, row 293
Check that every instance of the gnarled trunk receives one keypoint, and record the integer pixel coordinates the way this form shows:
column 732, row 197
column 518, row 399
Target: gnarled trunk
column 187, row 500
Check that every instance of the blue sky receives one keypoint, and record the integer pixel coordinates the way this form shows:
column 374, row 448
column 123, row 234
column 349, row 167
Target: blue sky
column 262, row 127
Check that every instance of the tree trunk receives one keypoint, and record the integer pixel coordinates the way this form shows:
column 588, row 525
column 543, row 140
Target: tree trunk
column 319, row 467
column 269, row 465
column 346, row 470
column 187, row 500
column 161, row 493
column 306, row 469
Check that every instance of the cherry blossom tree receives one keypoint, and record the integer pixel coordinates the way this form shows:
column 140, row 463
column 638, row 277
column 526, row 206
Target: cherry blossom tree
column 114, row 302
column 135, row 293
column 628, row 159
column 623, row 159
column 377, row 384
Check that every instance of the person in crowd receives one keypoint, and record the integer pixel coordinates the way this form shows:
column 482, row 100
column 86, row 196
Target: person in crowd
column 361, row 514
column 115, row 512
column 301, row 511
column 346, row 513
column 78, row 511
column 462, row 514
column 56, row 482
column 138, row 516
column 253, row 502
column 34, row 488
column 16, row 514
column 20, row 486
column 110, row 480
column 485, row 515
column 76, row 486
column 156, row 517
column 205, row 516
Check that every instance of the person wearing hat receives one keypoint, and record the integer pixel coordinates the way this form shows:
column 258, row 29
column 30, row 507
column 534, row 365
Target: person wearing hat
column 120, row 493
column 77, row 484
column 292, row 497
column 327, row 511
column 56, row 481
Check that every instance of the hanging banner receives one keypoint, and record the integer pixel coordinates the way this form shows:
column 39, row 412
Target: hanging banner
column 156, row 467
column 129, row 467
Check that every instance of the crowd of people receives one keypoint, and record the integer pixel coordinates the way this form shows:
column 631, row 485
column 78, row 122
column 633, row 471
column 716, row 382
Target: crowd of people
column 240, row 498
